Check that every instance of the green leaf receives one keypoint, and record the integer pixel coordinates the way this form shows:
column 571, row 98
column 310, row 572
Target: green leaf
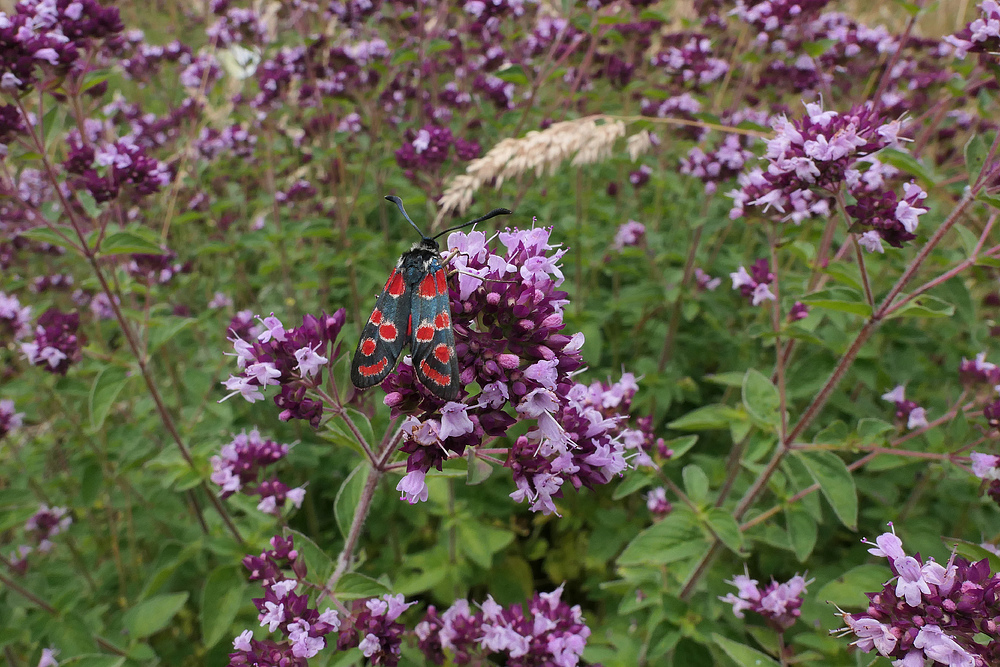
column 51, row 235
column 925, row 305
column 726, row 529
column 107, row 385
column 835, row 481
column 93, row 660
column 634, row 480
column 162, row 329
column 976, row 150
column 317, row 561
column 802, row 531
column 848, row 590
column 127, row 242
column 479, row 470
column 909, row 164
column 695, row 483
column 221, row 598
column 707, row 418
column 742, row 654
column 680, row 446
column 480, row 542
column 760, row 397
column 840, row 299
column 870, row 429
column 675, row 538
column 348, row 496
column 513, row 74
column 354, row 586
column 992, row 200
column 151, row 616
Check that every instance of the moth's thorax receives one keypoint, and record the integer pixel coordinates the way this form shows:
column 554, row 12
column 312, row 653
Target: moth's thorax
column 424, row 257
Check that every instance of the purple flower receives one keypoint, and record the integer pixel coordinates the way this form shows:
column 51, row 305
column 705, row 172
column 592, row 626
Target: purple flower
column 755, row 284
column 546, row 631
column 779, row 604
column 657, row 503
column 943, row 613
column 240, row 464
column 292, row 359
column 56, row 344
column 631, row 233
column 9, row 420
column 15, row 319
column 908, row 411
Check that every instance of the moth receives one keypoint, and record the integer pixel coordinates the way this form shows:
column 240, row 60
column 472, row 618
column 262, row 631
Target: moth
column 413, row 308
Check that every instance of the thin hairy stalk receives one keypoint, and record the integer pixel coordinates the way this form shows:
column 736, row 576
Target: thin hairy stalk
column 675, row 313
column 357, row 525
column 864, row 460
column 123, row 323
column 779, row 358
column 823, row 395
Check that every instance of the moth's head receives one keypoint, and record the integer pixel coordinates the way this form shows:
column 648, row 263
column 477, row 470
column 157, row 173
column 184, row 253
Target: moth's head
column 427, row 244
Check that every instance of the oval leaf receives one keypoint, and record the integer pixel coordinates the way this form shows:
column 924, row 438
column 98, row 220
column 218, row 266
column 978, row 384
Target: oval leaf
column 154, row 614
column 742, row 654
column 107, row 385
column 760, row 397
column 221, row 598
column 835, row 481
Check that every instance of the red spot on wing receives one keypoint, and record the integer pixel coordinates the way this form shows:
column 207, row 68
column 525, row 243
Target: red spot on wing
column 437, row 378
column 395, row 287
column 368, row 347
column 442, row 321
column 376, row 317
column 428, row 289
column 409, row 324
column 442, row 353
column 425, row 332
column 388, row 332
column 442, row 282
column 374, row 369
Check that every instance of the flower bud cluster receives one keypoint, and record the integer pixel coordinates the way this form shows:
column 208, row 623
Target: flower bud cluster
column 53, row 34
column 946, row 614
column 239, row 467
column 779, row 604
column 39, row 530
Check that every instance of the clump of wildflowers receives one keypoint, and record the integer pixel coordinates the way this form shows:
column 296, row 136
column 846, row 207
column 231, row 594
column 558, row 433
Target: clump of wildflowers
column 56, row 344
column 927, row 611
column 754, row 284
column 809, row 160
column 240, row 464
column 302, row 628
column 906, row 411
column 292, row 359
column 779, row 604
column 548, row 632
column 978, row 371
column 375, row 629
column 657, row 503
column 982, row 35
column 39, row 529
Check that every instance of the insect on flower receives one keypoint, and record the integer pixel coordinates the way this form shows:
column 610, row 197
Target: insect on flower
column 413, row 307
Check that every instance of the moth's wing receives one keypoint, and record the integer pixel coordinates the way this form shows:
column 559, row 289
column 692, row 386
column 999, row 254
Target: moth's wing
column 432, row 340
column 384, row 335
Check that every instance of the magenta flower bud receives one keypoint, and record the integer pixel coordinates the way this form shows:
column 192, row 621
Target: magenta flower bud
column 508, row 361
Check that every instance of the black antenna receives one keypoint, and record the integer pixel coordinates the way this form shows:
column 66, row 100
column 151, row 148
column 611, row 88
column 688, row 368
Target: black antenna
column 492, row 214
column 399, row 204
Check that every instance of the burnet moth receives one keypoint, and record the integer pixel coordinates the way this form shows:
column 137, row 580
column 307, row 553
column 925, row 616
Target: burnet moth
column 413, row 308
